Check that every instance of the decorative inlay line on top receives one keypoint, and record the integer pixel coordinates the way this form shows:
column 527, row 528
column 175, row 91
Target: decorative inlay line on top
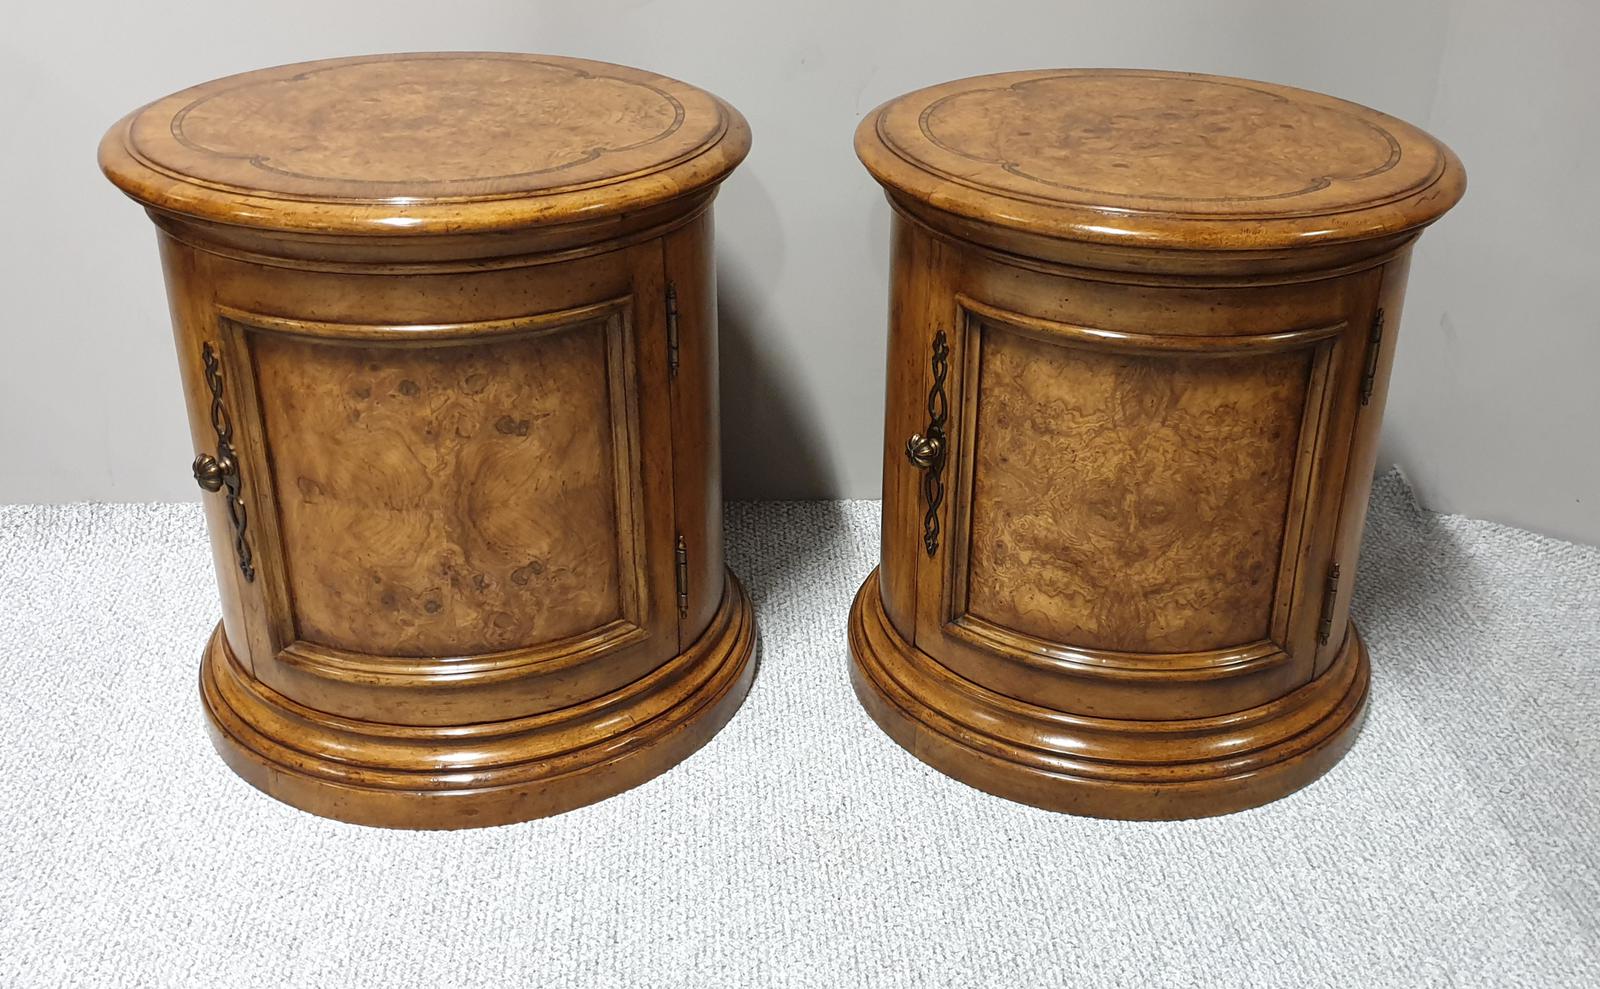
column 379, row 127
column 1138, row 142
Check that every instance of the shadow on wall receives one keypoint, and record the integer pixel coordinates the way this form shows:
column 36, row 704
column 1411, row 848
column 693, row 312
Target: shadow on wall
column 772, row 446
column 772, row 443
column 772, row 451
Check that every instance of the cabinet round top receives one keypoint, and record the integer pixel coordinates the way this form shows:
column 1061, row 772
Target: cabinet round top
column 443, row 142
column 1158, row 159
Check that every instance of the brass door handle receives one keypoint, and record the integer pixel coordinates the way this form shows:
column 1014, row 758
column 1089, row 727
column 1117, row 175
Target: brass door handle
column 222, row 471
column 926, row 450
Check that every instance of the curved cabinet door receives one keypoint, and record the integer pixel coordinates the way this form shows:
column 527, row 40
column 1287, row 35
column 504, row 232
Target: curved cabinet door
column 474, row 513
column 1129, row 521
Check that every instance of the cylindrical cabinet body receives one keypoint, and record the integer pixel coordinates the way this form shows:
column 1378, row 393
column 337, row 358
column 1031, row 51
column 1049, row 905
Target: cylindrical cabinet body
column 1140, row 332
column 447, row 332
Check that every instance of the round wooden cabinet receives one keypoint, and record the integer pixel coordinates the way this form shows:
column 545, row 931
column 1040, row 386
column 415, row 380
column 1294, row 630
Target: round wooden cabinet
column 447, row 335
column 1140, row 329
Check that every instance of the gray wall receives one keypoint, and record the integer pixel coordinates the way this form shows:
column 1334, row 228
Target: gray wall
column 1493, row 406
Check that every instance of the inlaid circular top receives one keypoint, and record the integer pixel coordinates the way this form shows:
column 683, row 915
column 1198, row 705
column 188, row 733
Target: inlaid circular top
column 424, row 143
column 1162, row 159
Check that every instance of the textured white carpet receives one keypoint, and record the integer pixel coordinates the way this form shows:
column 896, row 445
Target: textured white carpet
column 1456, row 845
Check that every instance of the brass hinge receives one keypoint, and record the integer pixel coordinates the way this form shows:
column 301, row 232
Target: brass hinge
column 1331, row 594
column 672, row 329
column 1369, row 374
column 683, row 579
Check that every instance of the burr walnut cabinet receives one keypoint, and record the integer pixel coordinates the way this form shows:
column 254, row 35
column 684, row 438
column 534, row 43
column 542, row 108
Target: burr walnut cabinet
column 447, row 336
column 1140, row 331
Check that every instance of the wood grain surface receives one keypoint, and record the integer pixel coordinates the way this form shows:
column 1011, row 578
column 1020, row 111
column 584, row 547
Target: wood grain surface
column 1135, row 503
column 1164, row 160
column 467, row 501
column 1160, row 308
column 1135, row 140
column 425, row 143
column 471, row 448
column 426, row 126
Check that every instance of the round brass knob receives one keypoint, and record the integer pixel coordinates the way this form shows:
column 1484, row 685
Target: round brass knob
column 209, row 472
column 923, row 451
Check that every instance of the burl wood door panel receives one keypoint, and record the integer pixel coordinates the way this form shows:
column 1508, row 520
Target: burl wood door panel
column 1130, row 502
column 459, row 506
column 1126, row 502
column 448, row 500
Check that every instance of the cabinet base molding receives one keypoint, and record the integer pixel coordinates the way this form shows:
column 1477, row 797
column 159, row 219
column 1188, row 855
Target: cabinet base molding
column 1100, row 767
column 458, row 776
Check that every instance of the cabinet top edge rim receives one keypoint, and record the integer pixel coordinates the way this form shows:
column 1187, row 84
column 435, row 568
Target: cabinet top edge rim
column 989, row 167
column 445, row 253
column 219, row 178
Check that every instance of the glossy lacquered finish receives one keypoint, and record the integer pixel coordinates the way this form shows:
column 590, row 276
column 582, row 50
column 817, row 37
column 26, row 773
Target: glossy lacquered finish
column 447, row 332
column 1140, row 331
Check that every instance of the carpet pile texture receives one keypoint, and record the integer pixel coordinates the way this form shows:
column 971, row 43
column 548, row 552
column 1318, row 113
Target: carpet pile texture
column 1457, row 845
